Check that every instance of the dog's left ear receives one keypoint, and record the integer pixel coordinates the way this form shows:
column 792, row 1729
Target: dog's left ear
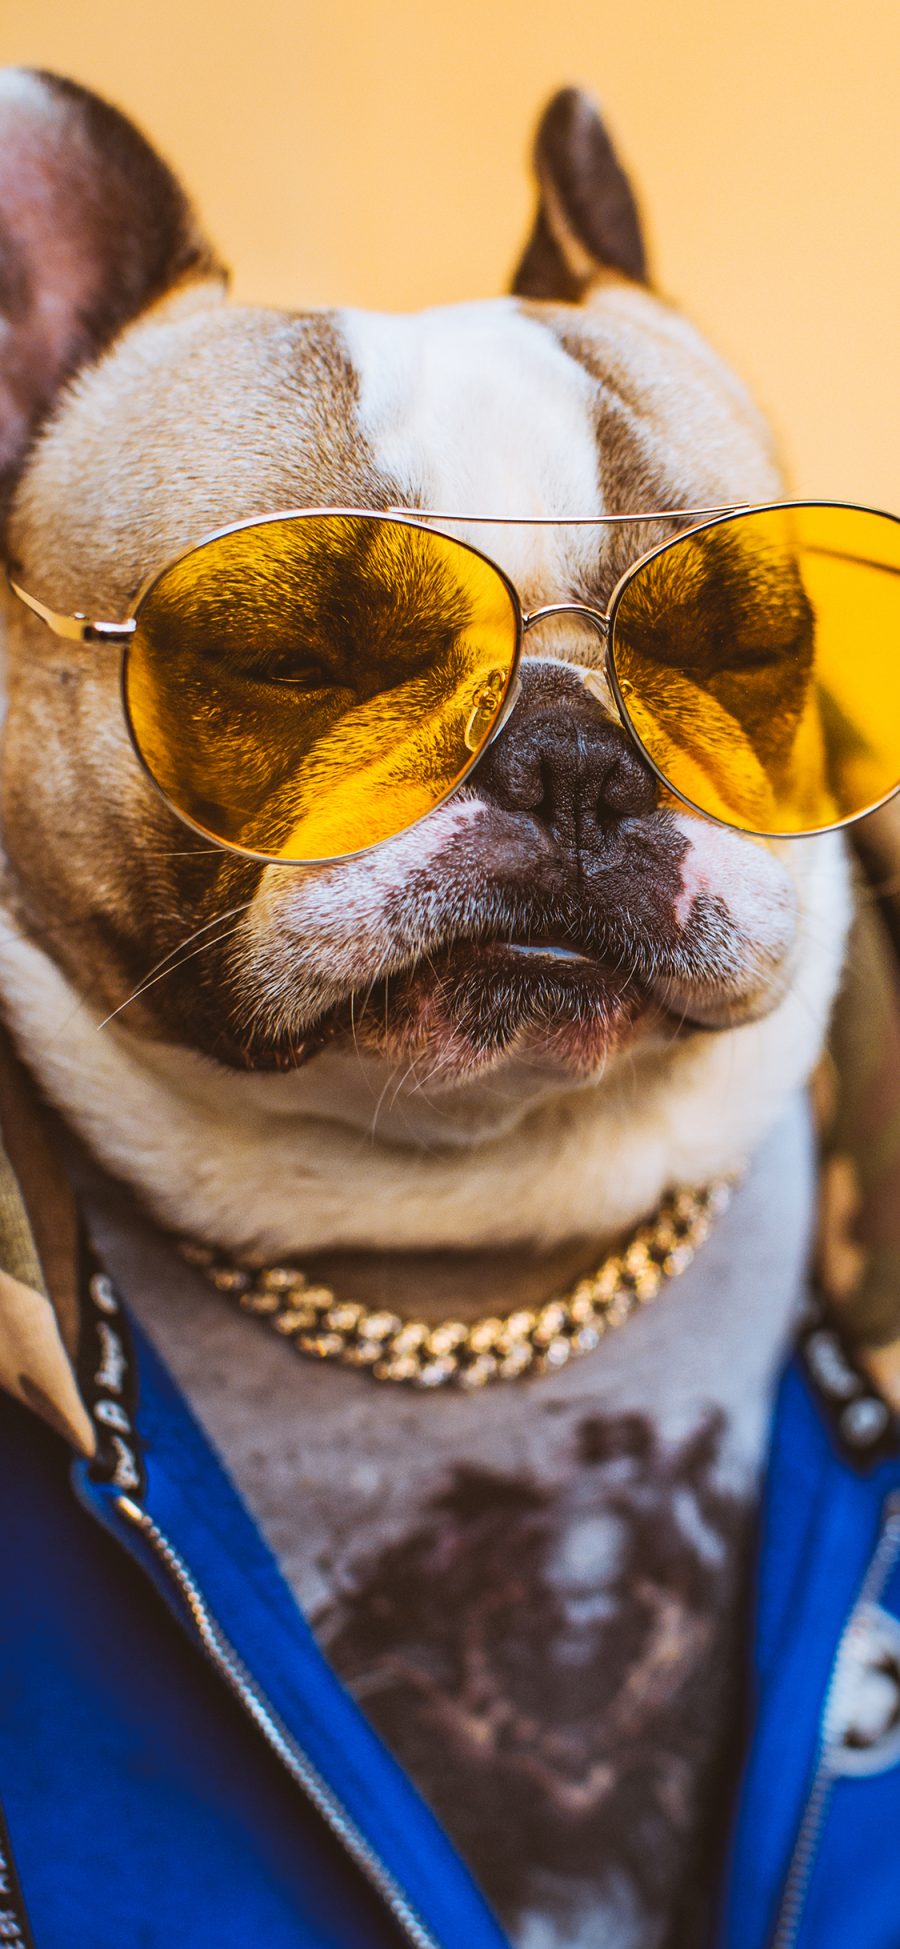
column 93, row 228
column 587, row 219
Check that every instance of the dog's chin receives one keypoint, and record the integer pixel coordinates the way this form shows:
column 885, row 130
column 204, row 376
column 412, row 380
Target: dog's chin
column 474, row 1006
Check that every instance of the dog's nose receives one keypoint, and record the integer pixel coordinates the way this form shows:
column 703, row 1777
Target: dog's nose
column 562, row 759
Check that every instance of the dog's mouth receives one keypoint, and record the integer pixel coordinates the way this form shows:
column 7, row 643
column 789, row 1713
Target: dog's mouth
column 451, row 976
column 457, row 1011
column 548, row 950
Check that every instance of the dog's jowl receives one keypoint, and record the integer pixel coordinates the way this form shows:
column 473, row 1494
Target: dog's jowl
column 449, row 1074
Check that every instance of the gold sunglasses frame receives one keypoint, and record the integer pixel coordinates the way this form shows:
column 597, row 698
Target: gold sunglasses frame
column 81, row 629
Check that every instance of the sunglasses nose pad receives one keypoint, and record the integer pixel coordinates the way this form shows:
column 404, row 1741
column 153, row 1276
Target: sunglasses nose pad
column 481, row 716
column 509, row 705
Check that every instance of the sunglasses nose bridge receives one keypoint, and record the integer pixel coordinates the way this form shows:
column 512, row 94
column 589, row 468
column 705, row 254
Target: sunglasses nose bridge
column 597, row 617
column 599, row 621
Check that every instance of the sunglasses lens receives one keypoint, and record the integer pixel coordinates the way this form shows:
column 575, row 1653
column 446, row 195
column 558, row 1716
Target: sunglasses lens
column 310, row 686
column 758, row 661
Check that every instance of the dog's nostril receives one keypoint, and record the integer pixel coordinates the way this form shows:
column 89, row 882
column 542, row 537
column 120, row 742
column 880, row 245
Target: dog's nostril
column 628, row 789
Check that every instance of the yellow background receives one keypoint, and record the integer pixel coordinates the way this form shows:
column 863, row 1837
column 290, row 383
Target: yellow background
column 377, row 155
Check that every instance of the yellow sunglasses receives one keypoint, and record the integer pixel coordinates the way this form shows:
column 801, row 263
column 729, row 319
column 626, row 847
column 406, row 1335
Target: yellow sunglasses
column 303, row 687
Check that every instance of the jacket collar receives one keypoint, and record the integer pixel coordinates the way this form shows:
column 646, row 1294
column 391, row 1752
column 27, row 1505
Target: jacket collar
column 39, row 1304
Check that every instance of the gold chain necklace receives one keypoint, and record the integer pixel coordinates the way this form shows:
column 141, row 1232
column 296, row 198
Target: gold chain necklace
column 532, row 1340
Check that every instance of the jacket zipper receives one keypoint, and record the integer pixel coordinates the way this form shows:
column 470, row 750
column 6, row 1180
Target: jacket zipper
column 15, row 1931
column 231, row 1667
column 793, row 1901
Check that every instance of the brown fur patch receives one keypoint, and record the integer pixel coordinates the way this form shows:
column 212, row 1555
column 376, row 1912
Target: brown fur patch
column 555, row 1668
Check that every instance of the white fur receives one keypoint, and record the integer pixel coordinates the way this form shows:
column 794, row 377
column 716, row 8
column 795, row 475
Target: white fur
column 477, row 406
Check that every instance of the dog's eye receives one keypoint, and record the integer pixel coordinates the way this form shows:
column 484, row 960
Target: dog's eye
column 713, row 627
column 766, row 654
column 293, row 667
column 301, row 675
column 742, row 652
column 709, row 649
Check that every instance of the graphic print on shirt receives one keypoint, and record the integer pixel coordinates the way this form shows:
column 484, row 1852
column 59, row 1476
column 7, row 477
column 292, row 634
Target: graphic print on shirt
column 554, row 1665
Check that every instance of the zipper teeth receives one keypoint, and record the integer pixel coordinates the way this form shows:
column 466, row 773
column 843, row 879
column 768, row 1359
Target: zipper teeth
column 223, row 1655
column 797, row 1883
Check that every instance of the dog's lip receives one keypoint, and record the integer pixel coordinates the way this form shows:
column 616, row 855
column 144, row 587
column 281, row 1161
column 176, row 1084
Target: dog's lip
column 541, row 944
column 545, row 955
column 539, row 956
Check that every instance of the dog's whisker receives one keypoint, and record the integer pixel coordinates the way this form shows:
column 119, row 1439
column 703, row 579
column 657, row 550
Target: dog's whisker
column 152, row 973
column 151, row 982
column 402, row 1079
column 377, row 1110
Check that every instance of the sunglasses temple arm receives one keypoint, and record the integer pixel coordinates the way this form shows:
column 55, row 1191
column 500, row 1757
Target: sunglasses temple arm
column 75, row 629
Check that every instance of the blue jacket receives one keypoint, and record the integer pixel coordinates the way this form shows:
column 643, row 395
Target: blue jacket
column 815, row 1856
column 180, row 1766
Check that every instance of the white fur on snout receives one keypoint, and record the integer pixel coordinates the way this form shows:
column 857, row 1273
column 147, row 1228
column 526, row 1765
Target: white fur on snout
column 739, row 905
column 750, row 881
column 314, row 935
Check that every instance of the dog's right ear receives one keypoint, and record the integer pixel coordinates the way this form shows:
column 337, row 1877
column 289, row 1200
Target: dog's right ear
column 93, row 227
column 587, row 219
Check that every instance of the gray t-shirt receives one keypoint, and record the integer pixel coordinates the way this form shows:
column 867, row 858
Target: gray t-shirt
column 534, row 1590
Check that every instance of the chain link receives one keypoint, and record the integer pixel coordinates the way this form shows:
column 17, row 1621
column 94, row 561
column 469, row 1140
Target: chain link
column 532, row 1340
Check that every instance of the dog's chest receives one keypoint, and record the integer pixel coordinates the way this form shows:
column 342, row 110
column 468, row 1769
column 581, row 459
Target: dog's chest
column 533, row 1592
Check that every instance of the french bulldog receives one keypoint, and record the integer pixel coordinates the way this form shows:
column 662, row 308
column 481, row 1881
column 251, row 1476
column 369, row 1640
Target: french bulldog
column 468, row 1060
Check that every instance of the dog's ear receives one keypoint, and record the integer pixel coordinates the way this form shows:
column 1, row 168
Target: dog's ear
column 587, row 220
column 93, row 227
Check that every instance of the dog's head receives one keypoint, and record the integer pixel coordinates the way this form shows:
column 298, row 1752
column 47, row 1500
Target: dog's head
column 558, row 929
